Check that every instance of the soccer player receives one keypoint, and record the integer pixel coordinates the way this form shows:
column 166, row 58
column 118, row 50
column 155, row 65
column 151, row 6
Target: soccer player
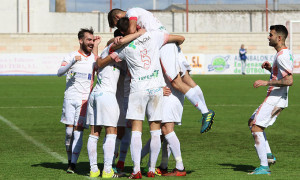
column 172, row 114
column 173, row 61
column 277, row 97
column 103, row 110
column 80, row 68
column 142, row 58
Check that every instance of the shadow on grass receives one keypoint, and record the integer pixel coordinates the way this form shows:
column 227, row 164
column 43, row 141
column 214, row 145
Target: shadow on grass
column 238, row 167
column 82, row 168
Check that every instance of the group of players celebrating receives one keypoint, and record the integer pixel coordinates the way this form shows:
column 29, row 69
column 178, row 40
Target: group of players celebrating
column 142, row 72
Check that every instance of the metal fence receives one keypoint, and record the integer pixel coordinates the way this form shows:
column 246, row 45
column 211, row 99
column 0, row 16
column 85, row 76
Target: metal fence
column 104, row 5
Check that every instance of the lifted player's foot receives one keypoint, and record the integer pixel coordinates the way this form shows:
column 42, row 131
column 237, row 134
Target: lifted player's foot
column 207, row 121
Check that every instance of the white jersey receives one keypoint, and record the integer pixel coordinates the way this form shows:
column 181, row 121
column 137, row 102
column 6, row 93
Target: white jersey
column 80, row 77
column 142, row 58
column 145, row 19
column 282, row 66
column 108, row 76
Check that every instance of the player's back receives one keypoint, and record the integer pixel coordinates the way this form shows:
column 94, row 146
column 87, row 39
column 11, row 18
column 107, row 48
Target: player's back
column 142, row 57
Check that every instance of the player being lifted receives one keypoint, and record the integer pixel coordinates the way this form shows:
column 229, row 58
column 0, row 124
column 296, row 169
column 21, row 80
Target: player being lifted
column 142, row 58
column 277, row 97
column 80, row 68
column 103, row 110
column 173, row 61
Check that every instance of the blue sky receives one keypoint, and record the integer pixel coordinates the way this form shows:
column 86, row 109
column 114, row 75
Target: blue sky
column 103, row 5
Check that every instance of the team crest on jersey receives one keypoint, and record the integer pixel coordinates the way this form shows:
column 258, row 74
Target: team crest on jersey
column 219, row 64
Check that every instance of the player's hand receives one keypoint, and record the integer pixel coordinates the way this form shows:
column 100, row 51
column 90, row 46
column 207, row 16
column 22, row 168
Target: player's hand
column 117, row 40
column 266, row 65
column 259, row 83
column 166, row 91
column 97, row 40
column 77, row 58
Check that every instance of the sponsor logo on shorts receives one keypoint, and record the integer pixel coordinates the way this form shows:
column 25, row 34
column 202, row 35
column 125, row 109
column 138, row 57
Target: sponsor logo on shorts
column 219, row 64
column 153, row 91
column 153, row 75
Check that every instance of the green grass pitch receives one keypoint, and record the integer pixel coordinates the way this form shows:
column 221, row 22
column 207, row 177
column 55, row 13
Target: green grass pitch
column 32, row 138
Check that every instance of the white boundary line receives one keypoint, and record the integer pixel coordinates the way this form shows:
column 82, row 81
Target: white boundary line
column 28, row 107
column 33, row 141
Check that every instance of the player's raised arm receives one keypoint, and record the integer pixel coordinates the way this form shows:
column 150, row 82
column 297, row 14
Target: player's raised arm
column 65, row 66
column 97, row 41
column 101, row 63
column 120, row 41
column 176, row 39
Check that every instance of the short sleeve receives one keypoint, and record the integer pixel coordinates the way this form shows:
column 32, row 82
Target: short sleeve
column 160, row 38
column 132, row 14
column 285, row 64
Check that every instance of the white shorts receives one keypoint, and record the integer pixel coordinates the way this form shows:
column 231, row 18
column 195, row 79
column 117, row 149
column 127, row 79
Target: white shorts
column 103, row 109
column 184, row 64
column 145, row 102
column 74, row 112
column 262, row 116
column 173, row 108
column 173, row 61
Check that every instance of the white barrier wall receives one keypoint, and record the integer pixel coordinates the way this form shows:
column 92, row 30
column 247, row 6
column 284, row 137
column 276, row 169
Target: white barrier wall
column 48, row 64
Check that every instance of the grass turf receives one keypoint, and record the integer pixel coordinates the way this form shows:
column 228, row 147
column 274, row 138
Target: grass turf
column 32, row 138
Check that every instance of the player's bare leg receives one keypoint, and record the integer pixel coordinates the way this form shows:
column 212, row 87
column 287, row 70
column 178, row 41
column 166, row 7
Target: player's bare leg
column 92, row 150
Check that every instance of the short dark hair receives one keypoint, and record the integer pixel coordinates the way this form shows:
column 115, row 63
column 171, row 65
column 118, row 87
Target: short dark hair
column 123, row 24
column 110, row 16
column 280, row 29
column 117, row 33
column 84, row 30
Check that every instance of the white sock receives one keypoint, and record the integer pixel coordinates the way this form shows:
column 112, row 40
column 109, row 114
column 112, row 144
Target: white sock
column 267, row 144
column 108, row 150
column 117, row 146
column 193, row 97
column 165, row 153
column 76, row 146
column 68, row 142
column 146, row 149
column 260, row 145
column 125, row 144
column 174, row 143
column 92, row 152
column 155, row 146
column 201, row 96
column 135, row 148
